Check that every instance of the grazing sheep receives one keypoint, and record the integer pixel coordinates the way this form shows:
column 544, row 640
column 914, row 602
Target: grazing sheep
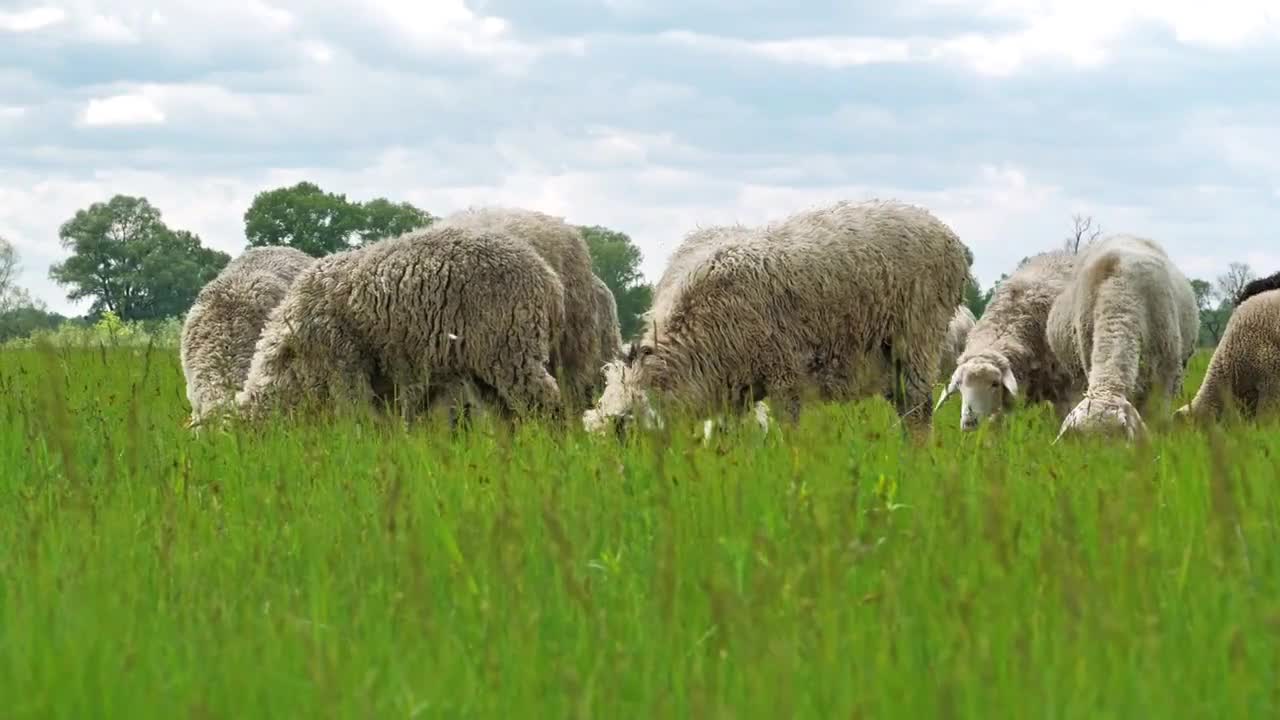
column 957, row 335
column 223, row 325
column 606, row 322
column 1245, row 368
column 1126, row 324
column 793, row 307
column 577, row 354
column 425, row 313
column 1007, row 352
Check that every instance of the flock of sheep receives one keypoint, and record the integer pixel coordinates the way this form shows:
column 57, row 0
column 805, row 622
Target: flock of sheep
column 499, row 307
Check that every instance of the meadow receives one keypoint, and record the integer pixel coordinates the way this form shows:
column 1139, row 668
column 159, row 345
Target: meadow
column 353, row 568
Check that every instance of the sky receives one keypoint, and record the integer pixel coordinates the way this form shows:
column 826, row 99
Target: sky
column 654, row 117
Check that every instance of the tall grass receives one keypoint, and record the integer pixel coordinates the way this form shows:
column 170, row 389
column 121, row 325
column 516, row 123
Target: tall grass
column 353, row 568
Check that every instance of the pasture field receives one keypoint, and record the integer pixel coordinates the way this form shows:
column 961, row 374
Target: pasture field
column 355, row 569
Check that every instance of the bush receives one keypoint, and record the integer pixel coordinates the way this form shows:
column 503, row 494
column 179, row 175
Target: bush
column 108, row 331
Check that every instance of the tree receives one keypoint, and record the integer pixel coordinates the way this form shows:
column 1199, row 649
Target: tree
column 128, row 261
column 974, row 298
column 616, row 260
column 318, row 222
column 1233, row 281
column 1212, row 319
column 22, row 321
column 305, row 217
column 8, row 267
column 383, row 219
column 1083, row 231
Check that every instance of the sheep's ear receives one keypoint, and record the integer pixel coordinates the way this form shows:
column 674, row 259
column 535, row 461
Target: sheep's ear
column 951, row 389
column 1010, row 382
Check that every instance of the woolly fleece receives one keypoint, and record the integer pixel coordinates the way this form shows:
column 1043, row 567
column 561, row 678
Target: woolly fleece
column 1245, row 368
column 223, row 325
column 1127, row 324
column 577, row 353
column 793, row 307
column 413, row 316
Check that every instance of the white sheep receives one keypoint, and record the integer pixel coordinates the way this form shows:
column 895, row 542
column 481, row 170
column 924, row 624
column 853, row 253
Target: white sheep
column 962, row 324
column 223, row 325
column 606, row 319
column 1245, row 368
column 1125, row 325
column 439, row 310
column 1007, row 353
column 798, row 306
column 586, row 340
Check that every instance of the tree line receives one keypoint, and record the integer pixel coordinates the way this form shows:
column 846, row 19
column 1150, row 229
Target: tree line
column 127, row 261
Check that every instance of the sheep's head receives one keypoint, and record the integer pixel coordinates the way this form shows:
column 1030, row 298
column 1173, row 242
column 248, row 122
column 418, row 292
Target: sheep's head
column 623, row 398
column 982, row 383
column 1106, row 415
column 1183, row 415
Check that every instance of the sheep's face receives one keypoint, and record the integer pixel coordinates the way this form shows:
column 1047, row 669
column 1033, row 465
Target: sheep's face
column 621, row 401
column 982, row 385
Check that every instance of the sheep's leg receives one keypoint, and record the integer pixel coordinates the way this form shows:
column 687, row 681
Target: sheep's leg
column 913, row 392
column 762, row 416
column 708, row 428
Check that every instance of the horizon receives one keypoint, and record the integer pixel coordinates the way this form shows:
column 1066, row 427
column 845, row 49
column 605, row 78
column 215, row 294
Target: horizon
column 1003, row 117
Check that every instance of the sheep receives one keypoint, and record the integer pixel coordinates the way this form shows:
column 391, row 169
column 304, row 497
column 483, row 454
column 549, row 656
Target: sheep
column 421, row 314
column 1126, row 325
column 223, row 325
column 953, row 344
column 1245, row 367
column 606, row 321
column 1007, row 353
column 791, row 307
column 578, row 352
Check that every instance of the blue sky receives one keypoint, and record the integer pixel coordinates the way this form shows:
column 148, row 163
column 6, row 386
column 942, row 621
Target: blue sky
column 1004, row 117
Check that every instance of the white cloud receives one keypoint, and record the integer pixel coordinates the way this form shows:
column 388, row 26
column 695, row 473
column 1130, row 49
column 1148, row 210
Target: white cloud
column 108, row 30
column 318, row 51
column 31, row 20
column 130, row 109
column 829, row 52
column 1095, row 23
column 1085, row 34
column 278, row 18
column 173, row 104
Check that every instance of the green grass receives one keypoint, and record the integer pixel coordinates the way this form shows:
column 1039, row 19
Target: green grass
column 352, row 569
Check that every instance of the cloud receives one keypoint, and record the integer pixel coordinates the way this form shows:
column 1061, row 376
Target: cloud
column 136, row 109
column 1084, row 34
column 30, row 20
column 1003, row 117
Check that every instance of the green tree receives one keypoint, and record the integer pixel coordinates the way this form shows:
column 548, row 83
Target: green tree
column 129, row 262
column 616, row 260
column 974, row 298
column 305, row 217
column 22, row 321
column 383, row 219
column 1213, row 319
column 318, row 223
